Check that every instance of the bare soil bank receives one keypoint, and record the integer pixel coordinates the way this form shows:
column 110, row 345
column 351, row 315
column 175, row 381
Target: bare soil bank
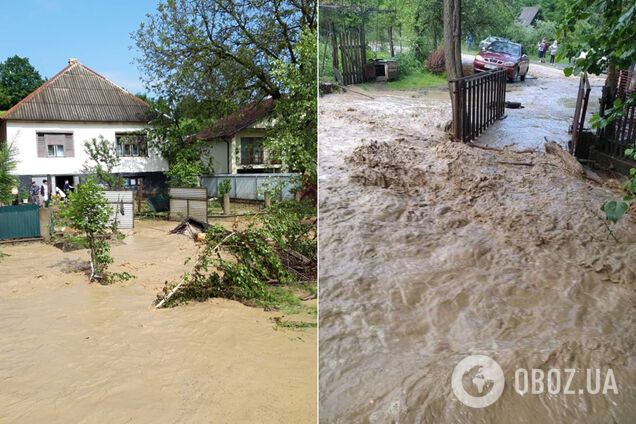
column 431, row 251
column 74, row 352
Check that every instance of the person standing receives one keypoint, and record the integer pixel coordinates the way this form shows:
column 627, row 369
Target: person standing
column 469, row 41
column 44, row 192
column 67, row 187
column 543, row 47
column 553, row 51
column 34, row 193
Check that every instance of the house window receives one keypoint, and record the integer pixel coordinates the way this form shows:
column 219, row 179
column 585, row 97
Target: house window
column 251, row 150
column 55, row 145
column 132, row 145
column 56, row 150
column 133, row 182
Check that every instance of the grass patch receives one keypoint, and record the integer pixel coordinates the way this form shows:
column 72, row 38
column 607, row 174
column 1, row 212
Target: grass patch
column 413, row 81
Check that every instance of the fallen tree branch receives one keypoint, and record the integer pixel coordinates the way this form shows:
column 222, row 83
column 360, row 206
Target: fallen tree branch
column 500, row 150
column 184, row 279
column 504, row 162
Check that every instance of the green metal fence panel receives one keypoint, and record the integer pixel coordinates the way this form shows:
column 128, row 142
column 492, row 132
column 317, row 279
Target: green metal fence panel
column 22, row 221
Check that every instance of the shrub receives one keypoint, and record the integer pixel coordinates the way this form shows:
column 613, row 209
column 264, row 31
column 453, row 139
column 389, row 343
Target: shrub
column 87, row 210
column 435, row 62
column 408, row 63
column 184, row 173
column 224, row 187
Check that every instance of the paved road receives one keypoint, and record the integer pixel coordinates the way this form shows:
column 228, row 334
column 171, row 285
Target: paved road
column 548, row 99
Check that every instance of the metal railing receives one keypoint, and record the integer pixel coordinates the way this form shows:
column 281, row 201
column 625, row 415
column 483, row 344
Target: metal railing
column 478, row 101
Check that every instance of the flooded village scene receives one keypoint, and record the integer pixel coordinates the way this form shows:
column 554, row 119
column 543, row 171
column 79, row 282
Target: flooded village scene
column 158, row 224
column 483, row 214
column 334, row 212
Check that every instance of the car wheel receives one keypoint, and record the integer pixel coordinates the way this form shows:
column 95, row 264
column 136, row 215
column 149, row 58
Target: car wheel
column 514, row 76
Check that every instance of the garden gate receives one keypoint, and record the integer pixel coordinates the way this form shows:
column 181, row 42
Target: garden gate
column 478, row 100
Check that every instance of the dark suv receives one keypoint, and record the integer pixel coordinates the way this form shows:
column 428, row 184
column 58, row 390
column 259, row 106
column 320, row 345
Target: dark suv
column 503, row 55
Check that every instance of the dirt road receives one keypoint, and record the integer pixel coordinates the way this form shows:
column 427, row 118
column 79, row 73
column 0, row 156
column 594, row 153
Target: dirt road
column 84, row 353
column 431, row 251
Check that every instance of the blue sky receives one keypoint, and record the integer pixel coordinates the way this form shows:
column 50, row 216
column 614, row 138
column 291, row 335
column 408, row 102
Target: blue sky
column 97, row 32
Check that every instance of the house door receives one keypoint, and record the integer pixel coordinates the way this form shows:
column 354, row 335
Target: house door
column 61, row 179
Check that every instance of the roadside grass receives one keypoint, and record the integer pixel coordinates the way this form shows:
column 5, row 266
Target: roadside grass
column 423, row 79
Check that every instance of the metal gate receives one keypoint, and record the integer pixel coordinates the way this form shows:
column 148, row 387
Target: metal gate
column 121, row 203
column 189, row 202
column 478, row 101
column 22, row 221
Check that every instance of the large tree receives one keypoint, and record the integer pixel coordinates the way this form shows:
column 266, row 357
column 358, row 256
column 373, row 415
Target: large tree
column 220, row 52
column 18, row 78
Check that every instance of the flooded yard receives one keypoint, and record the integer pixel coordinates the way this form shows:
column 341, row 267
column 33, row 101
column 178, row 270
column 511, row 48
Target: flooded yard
column 85, row 353
column 431, row 251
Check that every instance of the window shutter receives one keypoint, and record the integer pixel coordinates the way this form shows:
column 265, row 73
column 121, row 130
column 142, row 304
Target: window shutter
column 69, row 148
column 42, row 153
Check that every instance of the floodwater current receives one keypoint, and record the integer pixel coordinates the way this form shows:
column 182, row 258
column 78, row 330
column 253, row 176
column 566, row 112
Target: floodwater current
column 432, row 251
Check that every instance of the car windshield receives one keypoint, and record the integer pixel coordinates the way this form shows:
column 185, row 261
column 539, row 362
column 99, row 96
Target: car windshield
column 507, row 48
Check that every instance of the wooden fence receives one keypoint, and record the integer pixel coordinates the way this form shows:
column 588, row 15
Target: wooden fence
column 621, row 134
column 582, row 100
column 478, row 101
column 353, row 51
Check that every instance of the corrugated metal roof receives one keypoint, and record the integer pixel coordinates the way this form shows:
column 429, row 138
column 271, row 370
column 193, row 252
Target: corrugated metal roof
column 527, row 15
column 77, row 93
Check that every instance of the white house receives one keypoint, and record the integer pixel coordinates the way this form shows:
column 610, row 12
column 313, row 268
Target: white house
column 235, row 143
column 48, row 129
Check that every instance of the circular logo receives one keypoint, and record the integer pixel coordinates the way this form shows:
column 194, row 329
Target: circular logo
column 484, row 378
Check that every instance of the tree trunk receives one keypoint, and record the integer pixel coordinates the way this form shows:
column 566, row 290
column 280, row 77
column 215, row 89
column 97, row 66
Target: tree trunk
column 452, row 39
column 391, row 41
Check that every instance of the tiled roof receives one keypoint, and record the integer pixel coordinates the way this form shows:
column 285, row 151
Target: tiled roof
column 78, row 93
column 238, row 121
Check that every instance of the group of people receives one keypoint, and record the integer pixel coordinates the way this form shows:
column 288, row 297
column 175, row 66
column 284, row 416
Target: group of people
column 543, row 48
column 39, row 194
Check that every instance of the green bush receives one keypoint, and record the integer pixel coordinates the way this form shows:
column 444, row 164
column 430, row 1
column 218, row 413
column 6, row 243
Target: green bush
column 224, row 187
column 184, row 173
column 530, row 36
column 408, row 64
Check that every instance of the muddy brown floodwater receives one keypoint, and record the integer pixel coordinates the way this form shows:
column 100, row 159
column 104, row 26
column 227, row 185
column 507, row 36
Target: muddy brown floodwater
column 73, row 352
column 431, row 251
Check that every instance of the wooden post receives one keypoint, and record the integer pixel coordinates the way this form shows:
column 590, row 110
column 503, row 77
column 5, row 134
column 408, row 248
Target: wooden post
column 140, row 194
column 334, row 45
column 268, row 200
column 226, row 203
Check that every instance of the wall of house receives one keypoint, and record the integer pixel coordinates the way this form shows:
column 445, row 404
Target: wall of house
column 236, row 149
column 24, row 139
column 217, row 151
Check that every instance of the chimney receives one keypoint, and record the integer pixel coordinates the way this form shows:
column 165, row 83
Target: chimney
column 73, row 61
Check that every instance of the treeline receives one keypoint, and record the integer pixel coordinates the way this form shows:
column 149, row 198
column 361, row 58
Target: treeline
column 416, row 26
